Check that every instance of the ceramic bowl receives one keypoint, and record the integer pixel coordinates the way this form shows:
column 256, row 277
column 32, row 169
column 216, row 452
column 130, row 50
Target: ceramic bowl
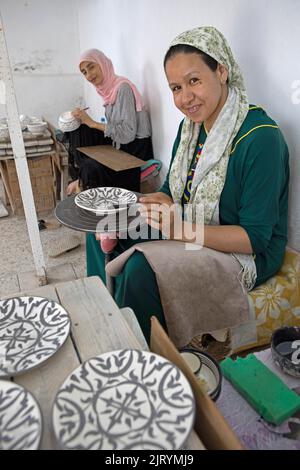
column 67, row 122
column 285, row 347
column 4, row 132
column 34, row 119
column 37, row 127
column 24, row 120
column 206, row 369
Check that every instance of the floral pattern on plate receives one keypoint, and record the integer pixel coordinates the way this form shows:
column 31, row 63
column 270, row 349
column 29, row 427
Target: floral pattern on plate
column 20, row 418
column 126, row 399
column 32, row 329
column 105, row 199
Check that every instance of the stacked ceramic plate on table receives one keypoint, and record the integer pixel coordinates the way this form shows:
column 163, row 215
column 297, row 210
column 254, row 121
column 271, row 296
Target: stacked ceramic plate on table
column 105, row 200
column 32, row 329
column 124, row 400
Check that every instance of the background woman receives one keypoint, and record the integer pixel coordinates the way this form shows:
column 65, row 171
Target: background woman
column 127, row 127
column 229, row 158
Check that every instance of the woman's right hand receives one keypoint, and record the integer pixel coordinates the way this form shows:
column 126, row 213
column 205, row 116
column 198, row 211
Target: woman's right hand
column 73, row 187
column 84, row 117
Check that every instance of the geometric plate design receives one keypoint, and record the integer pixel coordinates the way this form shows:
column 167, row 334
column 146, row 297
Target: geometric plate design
column 20, row 418
column 32, row 329
column 105, row 199
column 126, row 399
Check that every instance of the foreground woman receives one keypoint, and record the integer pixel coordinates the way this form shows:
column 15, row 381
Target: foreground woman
column 229, row 159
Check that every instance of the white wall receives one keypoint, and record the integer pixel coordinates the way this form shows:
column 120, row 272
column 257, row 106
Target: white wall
column 264, row 36
column 43, row 45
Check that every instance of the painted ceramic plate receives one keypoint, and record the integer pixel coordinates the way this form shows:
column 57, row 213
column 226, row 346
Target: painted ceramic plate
column 126, row 399
column 32, row 329
column 20, row 418
column 105, row 200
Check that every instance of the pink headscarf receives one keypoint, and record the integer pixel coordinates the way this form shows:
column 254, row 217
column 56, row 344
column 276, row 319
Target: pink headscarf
column 111, row 82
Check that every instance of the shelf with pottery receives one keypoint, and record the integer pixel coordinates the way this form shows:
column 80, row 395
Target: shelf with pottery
column 41, row 151
column 35, row 145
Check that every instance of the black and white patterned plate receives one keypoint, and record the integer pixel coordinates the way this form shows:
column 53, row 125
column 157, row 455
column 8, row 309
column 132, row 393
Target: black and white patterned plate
column 126, row 399
column 105, row 200
column 20, row 418
column 31, row 330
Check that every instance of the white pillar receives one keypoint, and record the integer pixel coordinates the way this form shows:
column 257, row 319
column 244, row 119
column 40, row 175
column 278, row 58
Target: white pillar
column 20, row 158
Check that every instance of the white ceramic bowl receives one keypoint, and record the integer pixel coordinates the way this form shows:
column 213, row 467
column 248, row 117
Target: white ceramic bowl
column 24, row 120
column 67, row 122
column 37, row 127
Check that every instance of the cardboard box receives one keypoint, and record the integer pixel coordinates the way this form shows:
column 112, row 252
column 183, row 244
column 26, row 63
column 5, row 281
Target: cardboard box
column 210, row 425
column 111, row 157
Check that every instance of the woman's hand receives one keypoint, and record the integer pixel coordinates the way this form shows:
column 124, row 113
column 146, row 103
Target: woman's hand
column 73, row 187
column 84, row 118
column 162, row 214
column 156, row 198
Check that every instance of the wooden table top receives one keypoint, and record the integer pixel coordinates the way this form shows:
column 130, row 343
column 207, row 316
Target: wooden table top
column 97, row 326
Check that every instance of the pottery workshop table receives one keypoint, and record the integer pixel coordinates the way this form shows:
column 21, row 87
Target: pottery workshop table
column 97, row 326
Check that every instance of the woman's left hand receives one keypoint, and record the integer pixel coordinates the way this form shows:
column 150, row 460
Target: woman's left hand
column 84, row 117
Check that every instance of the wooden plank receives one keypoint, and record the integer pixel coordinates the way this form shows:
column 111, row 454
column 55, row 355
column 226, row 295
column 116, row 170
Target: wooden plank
column 45, row 380
column 129, row 316
column 97, row 323
column 109, row 156
column 28, row 156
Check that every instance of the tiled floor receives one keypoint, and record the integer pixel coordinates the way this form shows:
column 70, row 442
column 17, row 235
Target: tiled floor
column 17, row 269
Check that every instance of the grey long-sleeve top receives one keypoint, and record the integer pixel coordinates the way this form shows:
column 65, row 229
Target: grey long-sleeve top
column 124, row 122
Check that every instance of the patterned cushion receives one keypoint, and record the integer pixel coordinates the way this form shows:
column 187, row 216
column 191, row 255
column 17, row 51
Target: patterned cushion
column 273, row 304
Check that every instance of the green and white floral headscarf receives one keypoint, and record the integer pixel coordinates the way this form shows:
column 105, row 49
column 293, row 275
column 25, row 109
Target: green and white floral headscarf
column 210, row 173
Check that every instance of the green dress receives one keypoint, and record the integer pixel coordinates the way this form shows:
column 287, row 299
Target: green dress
column 255, row 196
